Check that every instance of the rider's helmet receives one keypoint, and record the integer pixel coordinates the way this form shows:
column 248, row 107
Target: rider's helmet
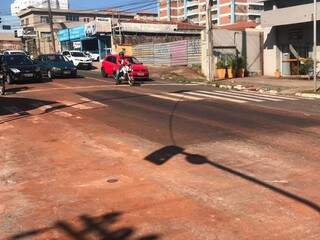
column 121, row 53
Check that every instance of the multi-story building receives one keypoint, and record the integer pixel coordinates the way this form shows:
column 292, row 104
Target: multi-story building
column 19, row 5
column 288, row 33
column 224, row 12
column 35, row 28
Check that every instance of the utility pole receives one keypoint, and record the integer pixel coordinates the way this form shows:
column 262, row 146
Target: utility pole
column 315, row 45
column 51, row 26
column 208, row 38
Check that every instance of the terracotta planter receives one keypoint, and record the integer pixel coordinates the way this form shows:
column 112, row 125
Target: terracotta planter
column 221, row 73
column 241, row 72
column 231, row 73
column 277, row 74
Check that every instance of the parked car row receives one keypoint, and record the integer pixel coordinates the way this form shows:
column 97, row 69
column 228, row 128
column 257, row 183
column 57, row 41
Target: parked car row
column 18, row 67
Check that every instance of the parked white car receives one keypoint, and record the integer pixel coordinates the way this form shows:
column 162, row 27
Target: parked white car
column 78, row 58
column 93, row 55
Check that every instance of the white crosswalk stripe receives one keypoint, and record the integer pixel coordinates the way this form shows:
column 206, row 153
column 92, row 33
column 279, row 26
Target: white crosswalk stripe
column 185, row 96
column 217, row 97
column 229, row 96
column 233, row 95
column 266, row 96
column 165, row 97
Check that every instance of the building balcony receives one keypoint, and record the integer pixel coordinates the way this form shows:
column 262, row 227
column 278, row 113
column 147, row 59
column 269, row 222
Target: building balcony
column 192, row 3
column 254, row 12
column 192, row 13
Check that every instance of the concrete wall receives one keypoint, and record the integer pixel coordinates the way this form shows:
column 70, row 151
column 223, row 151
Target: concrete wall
column 271, row 53
column 288, row 15
column 247, row 44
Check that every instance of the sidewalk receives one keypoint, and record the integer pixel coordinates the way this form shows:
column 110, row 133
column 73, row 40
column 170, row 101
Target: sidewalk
column 282, row 86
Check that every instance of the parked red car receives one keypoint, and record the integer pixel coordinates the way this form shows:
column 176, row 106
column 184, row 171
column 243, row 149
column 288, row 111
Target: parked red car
column 111, row 63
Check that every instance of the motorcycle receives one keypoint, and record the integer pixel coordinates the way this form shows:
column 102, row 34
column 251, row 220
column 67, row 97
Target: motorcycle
column 126, row 76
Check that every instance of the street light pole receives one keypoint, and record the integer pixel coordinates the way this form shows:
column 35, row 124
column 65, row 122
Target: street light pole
column 315, row 45
column 51, row 26
column 209, row 50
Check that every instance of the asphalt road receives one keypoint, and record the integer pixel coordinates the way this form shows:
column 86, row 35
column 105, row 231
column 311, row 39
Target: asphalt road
column 86, row 159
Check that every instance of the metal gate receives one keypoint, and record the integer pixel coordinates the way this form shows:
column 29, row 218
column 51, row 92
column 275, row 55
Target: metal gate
column 178, row 53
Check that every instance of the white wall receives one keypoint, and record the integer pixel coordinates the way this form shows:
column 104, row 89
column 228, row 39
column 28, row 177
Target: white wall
column 19, row 5
column 271, row 53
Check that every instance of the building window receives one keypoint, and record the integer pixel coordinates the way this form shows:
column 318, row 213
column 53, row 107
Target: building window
column 44, row 19
column 22, row 22
column 27, row 21
column 86, row 19
column 72, row 18
column 6, row 27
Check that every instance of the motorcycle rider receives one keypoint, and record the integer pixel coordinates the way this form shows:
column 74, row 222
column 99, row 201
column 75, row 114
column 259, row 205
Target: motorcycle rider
column 2, row 84
column 123, row 63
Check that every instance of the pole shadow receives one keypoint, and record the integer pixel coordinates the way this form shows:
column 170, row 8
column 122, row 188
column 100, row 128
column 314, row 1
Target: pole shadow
column 163, row 155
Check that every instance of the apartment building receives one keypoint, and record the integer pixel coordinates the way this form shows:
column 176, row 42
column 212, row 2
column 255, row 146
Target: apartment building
column 224, row 12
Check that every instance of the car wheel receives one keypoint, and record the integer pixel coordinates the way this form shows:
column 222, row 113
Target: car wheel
column 50, row 74
column 103, row 73
column 9, row 79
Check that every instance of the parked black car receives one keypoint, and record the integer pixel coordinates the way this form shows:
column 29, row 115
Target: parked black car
column 19, row 67
column 55, row 65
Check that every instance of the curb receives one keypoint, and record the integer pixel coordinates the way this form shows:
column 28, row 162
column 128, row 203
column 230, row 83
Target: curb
column 308, row 95
column 246, row 89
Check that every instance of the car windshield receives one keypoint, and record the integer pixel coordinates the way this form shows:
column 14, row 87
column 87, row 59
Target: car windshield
column 56, row 58
column 77, row 54
column 17, row 60
column 132, row 60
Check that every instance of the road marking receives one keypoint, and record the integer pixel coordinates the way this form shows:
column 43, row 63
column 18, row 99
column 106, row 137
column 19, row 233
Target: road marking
column 64, row 88
column 216, row 97
column 165, row 97
column 59, row 84
column 87, row 100
column 268, row 96
column 232, row 95
column 254, row 96
column 184, row 96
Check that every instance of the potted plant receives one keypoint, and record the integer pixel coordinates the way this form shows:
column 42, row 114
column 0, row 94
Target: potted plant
column 241, row 67
column 231, row 67
column 306, row 67
column 277, row 74
column 221, row 69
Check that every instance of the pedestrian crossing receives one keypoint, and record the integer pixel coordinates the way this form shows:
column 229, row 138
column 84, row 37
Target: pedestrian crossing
column 228, row 96
column 83, row 103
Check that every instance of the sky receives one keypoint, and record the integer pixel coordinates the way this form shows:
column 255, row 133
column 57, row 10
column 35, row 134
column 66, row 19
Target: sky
column 74, row 4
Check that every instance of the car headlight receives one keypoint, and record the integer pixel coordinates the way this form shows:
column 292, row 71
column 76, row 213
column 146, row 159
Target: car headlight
column 14, row 70
column 56, row 69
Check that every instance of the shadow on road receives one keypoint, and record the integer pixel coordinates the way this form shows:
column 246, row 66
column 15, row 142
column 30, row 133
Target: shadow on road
column 100, row 227
column 161, row 156
column 20, row 106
